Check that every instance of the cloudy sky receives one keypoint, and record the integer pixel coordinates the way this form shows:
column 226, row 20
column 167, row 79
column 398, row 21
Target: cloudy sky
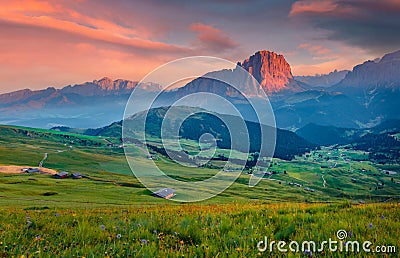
column 56, row 43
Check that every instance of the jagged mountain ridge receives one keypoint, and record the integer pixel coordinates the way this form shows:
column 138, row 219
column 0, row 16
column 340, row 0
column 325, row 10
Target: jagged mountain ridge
column 89, row 104
column 323, row 80
column 384, row 72
column 51, row 95
column 271, row 71
column 375, row 84
column 361, row 99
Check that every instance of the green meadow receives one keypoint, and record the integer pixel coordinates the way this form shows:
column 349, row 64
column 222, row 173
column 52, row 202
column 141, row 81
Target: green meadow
column 110, row 213
column 195, row 230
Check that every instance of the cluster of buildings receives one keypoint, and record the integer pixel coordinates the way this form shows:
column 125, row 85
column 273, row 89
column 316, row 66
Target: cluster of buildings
column 64, row 174
column 308, row 189
column 59, row 175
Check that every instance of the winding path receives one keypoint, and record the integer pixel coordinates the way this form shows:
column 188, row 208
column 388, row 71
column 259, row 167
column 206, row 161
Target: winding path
column 44, row 158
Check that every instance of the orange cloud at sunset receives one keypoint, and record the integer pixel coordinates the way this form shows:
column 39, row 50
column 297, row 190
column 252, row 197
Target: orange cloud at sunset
column 54, row 43
column 212, row 38
column 314, row 49
column 48, row 44
column 313, row 6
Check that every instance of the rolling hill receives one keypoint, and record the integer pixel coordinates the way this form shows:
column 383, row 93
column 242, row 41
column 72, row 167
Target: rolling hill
column 381, row 141
column 288, row 144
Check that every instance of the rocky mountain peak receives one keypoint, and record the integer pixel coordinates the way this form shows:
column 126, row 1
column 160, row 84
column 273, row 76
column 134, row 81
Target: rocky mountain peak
column 384, row 72
column 107, row 84
column 271, row 70
column 391, row 57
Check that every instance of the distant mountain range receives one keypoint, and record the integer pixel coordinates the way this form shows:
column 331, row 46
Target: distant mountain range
column 323, row 80
column 376, row 86
column 360, row 98
column 77, row 94
column 271, row 72
column 90, row 104
column 381, row 73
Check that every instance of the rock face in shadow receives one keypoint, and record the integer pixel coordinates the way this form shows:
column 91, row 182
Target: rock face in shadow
column 323, row 80
column 383, row 73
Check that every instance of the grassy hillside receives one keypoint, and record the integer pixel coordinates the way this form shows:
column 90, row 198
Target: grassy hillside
column 109, row 180
column 380, row 141
column 288, row 144
column 110, row 213
column 329, row 135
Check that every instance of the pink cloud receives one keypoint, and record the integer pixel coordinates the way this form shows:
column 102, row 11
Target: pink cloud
column 68, row 41
column 211, row 38
column 349, row 56
column 85, row 27
column 60, row 42
column 44, row 43
column 314, row 50
column 326, row 8
column 312, row 6
column 338, row 8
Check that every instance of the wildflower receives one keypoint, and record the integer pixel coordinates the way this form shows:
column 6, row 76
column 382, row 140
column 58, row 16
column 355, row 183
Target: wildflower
column 28, row 221
column 38, row 237
column 175, row 233
column 154, row 231
column 382, row 217
column 57, row 215
column 144, row 241
column 119, row 236
column 350, row 233
column 308, row 252
column 102, row 227
column 370, row 225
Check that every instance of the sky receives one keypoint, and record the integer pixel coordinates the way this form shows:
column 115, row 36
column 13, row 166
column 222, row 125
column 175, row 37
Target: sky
column 58, row 43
